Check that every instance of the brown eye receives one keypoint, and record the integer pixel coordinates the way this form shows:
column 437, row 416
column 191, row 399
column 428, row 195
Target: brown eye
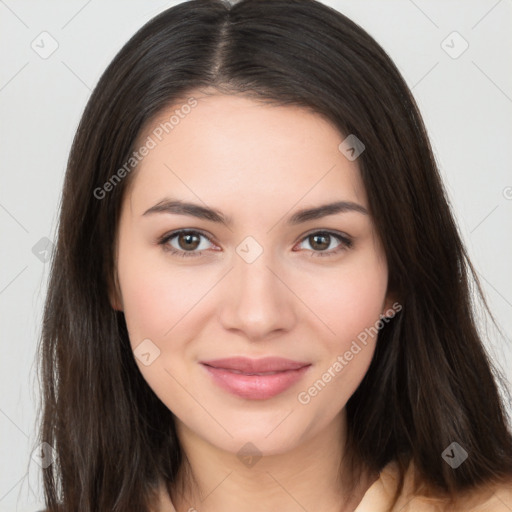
column 188, row 241
column 186, row 244
column 320, row 241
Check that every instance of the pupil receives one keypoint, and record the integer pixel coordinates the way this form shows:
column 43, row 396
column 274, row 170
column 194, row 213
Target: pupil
column 189, row 238
column 322, row 246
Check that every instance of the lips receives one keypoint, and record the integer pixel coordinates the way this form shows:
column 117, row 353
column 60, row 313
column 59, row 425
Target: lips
column 255, row 379
column 263, row 366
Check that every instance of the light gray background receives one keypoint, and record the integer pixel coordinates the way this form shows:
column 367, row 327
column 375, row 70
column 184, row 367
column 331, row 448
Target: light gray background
column 466, row 103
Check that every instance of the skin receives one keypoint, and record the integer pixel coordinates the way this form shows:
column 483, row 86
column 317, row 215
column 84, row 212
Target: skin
column 258, row 164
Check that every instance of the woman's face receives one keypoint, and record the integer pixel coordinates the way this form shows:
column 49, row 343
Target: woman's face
column 266, row 282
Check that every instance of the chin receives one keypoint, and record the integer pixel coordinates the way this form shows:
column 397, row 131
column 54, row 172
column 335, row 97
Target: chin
column 261, row 440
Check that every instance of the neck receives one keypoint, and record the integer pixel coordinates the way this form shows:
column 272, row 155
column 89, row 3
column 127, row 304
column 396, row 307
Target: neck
column 308, row 478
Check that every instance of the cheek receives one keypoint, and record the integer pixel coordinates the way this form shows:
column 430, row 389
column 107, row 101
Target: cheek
column 352, row 311
column 160, row 298
column 155, row 302
column 146, row 310
column 351, row 300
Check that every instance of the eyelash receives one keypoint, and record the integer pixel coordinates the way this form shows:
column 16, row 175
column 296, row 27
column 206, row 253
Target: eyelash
column 345, row 243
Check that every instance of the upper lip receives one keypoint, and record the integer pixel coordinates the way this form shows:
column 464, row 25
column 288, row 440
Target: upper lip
column 248, row 365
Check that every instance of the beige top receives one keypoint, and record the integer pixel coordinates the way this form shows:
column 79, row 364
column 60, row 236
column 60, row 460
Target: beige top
column 379, row 496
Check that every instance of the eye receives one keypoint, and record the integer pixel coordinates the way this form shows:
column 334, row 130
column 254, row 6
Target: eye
column 188, row 241
column 321, row 240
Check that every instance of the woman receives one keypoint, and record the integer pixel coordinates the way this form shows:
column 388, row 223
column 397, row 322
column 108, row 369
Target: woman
column 259, row 298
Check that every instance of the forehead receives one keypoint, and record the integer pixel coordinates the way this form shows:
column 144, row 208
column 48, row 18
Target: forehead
column 227, row 147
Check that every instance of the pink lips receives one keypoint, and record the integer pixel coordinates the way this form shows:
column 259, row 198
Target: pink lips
column 255, row 379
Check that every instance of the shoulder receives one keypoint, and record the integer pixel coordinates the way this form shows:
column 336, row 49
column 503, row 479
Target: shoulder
column 496, row 498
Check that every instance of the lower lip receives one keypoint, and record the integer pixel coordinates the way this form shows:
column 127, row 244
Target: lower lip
column 255, row 387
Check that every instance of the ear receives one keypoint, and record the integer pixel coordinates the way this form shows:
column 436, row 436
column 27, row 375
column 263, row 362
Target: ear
column 391, row 306
column 114, row 294
column 114, row 290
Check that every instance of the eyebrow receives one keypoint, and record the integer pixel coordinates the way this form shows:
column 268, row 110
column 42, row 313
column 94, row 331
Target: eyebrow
column 171, row 206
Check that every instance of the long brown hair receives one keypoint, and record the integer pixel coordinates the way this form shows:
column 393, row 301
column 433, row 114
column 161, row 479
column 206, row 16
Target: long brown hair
column 430, row 383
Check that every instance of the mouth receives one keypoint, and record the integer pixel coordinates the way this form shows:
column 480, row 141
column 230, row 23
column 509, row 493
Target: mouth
column 247, row 373
column 266, row 365
column 255, row 379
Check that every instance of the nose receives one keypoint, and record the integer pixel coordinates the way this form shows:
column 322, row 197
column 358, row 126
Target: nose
column 257, row 300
